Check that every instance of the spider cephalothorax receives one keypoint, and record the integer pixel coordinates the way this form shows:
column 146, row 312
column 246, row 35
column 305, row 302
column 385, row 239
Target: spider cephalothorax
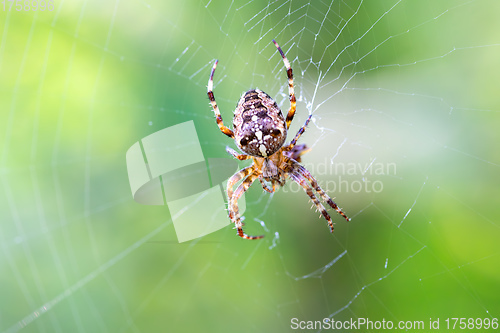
column 259, row 130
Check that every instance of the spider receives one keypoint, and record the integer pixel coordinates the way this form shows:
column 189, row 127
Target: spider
column 259, row 130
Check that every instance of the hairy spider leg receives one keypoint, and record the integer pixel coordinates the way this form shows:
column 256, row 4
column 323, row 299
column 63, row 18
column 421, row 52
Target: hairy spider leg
column 233, row 197
column 264, row 186
column 299, row 133
column 232, row 181
column 289, row 73
column 233, row 206
column 211, row 97
column 296, row 152
column 299, row 179
column 306, row 174
column 233, row 153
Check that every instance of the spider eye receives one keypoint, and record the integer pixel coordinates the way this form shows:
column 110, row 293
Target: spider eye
column 244, row 141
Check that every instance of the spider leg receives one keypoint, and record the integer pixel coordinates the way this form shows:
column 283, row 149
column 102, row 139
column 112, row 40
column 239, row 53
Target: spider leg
column 306, row 174
column 233, row 205
column 289, row 73
column 211, row 97
column 296, row 152
column 233, row 153
column 232, row 181
column 300, row 132
column 299, row 179
column 264, row 186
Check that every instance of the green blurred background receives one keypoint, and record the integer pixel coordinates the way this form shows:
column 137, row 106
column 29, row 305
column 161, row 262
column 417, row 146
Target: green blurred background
column 407, row 83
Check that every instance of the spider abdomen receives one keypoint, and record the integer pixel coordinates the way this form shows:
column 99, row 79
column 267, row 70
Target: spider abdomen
column 259, row 125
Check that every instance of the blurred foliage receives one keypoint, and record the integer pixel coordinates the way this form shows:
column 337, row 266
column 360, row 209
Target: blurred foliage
column 81, row 84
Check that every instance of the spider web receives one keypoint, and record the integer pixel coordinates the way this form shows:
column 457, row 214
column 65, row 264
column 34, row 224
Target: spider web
column 403, row 135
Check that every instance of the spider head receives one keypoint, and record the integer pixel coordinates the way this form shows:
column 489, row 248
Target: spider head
column 259, row 125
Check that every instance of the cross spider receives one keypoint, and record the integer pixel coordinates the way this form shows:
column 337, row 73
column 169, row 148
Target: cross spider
column 260, row 132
